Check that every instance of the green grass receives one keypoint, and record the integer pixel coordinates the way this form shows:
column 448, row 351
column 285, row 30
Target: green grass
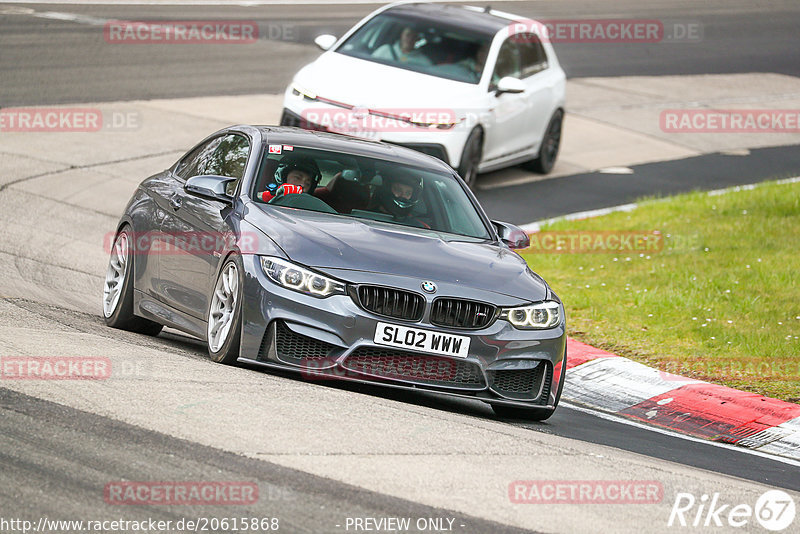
column 720, row 301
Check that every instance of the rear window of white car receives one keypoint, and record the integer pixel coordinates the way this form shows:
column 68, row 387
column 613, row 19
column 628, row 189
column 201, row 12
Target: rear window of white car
column 421, row 46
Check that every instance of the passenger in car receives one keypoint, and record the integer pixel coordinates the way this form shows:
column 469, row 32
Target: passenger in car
column 397, row 196
column 403, row 51
column 469, row 68
column 474, row 64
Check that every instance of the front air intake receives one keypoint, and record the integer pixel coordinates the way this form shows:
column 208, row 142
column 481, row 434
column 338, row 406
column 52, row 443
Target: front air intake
column 390, row 302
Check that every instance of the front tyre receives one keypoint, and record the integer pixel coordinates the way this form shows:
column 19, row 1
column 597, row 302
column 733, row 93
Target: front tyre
column 225, row 313
column 548, row 150
column 118, row 288
column 470, row 158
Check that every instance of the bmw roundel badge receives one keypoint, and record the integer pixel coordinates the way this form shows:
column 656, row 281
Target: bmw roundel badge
column 428, row 286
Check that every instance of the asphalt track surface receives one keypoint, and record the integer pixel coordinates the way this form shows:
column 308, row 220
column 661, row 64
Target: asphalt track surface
column 34, row 429
column 70, row 454
column 74, row 453
column 584, row 192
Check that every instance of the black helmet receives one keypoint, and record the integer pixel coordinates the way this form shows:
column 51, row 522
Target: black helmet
column 293, row 162
column 399, row 206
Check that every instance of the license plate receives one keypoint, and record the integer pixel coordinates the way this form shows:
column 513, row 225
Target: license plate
column 393, row 335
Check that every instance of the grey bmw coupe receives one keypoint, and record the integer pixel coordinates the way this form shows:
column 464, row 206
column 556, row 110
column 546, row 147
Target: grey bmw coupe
column 338, row 258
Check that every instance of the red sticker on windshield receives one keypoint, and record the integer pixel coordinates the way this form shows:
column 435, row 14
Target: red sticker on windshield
column 274, row 149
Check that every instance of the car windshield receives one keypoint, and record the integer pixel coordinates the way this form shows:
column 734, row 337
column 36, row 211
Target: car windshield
column 420, row 45
column 361, row 187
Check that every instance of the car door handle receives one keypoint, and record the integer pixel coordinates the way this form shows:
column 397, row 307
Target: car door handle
column 175, row 202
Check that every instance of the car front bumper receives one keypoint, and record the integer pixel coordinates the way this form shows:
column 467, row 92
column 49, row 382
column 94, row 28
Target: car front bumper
column 332, row 339
column 446, row 145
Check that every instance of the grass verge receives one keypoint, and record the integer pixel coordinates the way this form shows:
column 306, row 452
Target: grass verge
column 710, row 292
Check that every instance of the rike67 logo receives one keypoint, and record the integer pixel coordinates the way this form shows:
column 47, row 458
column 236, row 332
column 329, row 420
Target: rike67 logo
column 774, row 510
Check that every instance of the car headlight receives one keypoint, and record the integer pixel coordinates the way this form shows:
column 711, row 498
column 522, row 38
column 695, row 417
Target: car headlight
column 291, row 276
column 535, row 316
column 302, row 92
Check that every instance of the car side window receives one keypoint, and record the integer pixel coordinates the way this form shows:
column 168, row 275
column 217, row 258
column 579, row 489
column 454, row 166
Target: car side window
column 189, row 162
column 508, row 63
column 224, row 156
column 533, row 58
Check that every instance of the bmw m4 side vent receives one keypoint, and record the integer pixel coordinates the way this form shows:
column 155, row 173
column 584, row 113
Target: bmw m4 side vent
column 293, row 348
column 459, row 313
column 390, row 302
column 523, row 384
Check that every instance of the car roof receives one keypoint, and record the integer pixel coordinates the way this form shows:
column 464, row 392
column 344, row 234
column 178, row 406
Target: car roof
column 462, row 16
column 290, row 135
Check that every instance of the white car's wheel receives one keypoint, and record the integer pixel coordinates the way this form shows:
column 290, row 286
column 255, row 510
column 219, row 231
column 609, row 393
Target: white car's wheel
column 548, row 150
column 470, row 158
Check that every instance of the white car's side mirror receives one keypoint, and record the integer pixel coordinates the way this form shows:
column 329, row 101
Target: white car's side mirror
column 325, row 42
column 510, row 84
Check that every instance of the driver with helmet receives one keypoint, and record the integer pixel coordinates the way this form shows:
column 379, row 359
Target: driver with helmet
column 295, row 174
column 397, row 196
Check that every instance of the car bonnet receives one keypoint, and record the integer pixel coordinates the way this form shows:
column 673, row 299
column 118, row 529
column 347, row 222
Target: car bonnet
column 323, row 241
column 364, row 83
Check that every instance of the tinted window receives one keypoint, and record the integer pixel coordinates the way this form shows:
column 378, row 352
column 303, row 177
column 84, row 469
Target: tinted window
column 189, row 161
column 508, row 62
column 224, row 156
column 533, row 58
column 358, row 187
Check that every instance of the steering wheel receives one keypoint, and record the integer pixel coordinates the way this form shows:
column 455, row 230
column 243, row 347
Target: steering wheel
column 302, row 201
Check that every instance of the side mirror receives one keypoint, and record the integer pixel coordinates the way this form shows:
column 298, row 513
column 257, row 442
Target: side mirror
column 325, row 42
column 209, row 186
column 513, row 236
column 509, row 84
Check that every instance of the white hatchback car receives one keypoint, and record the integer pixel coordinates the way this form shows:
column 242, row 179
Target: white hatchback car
column 478, row 88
